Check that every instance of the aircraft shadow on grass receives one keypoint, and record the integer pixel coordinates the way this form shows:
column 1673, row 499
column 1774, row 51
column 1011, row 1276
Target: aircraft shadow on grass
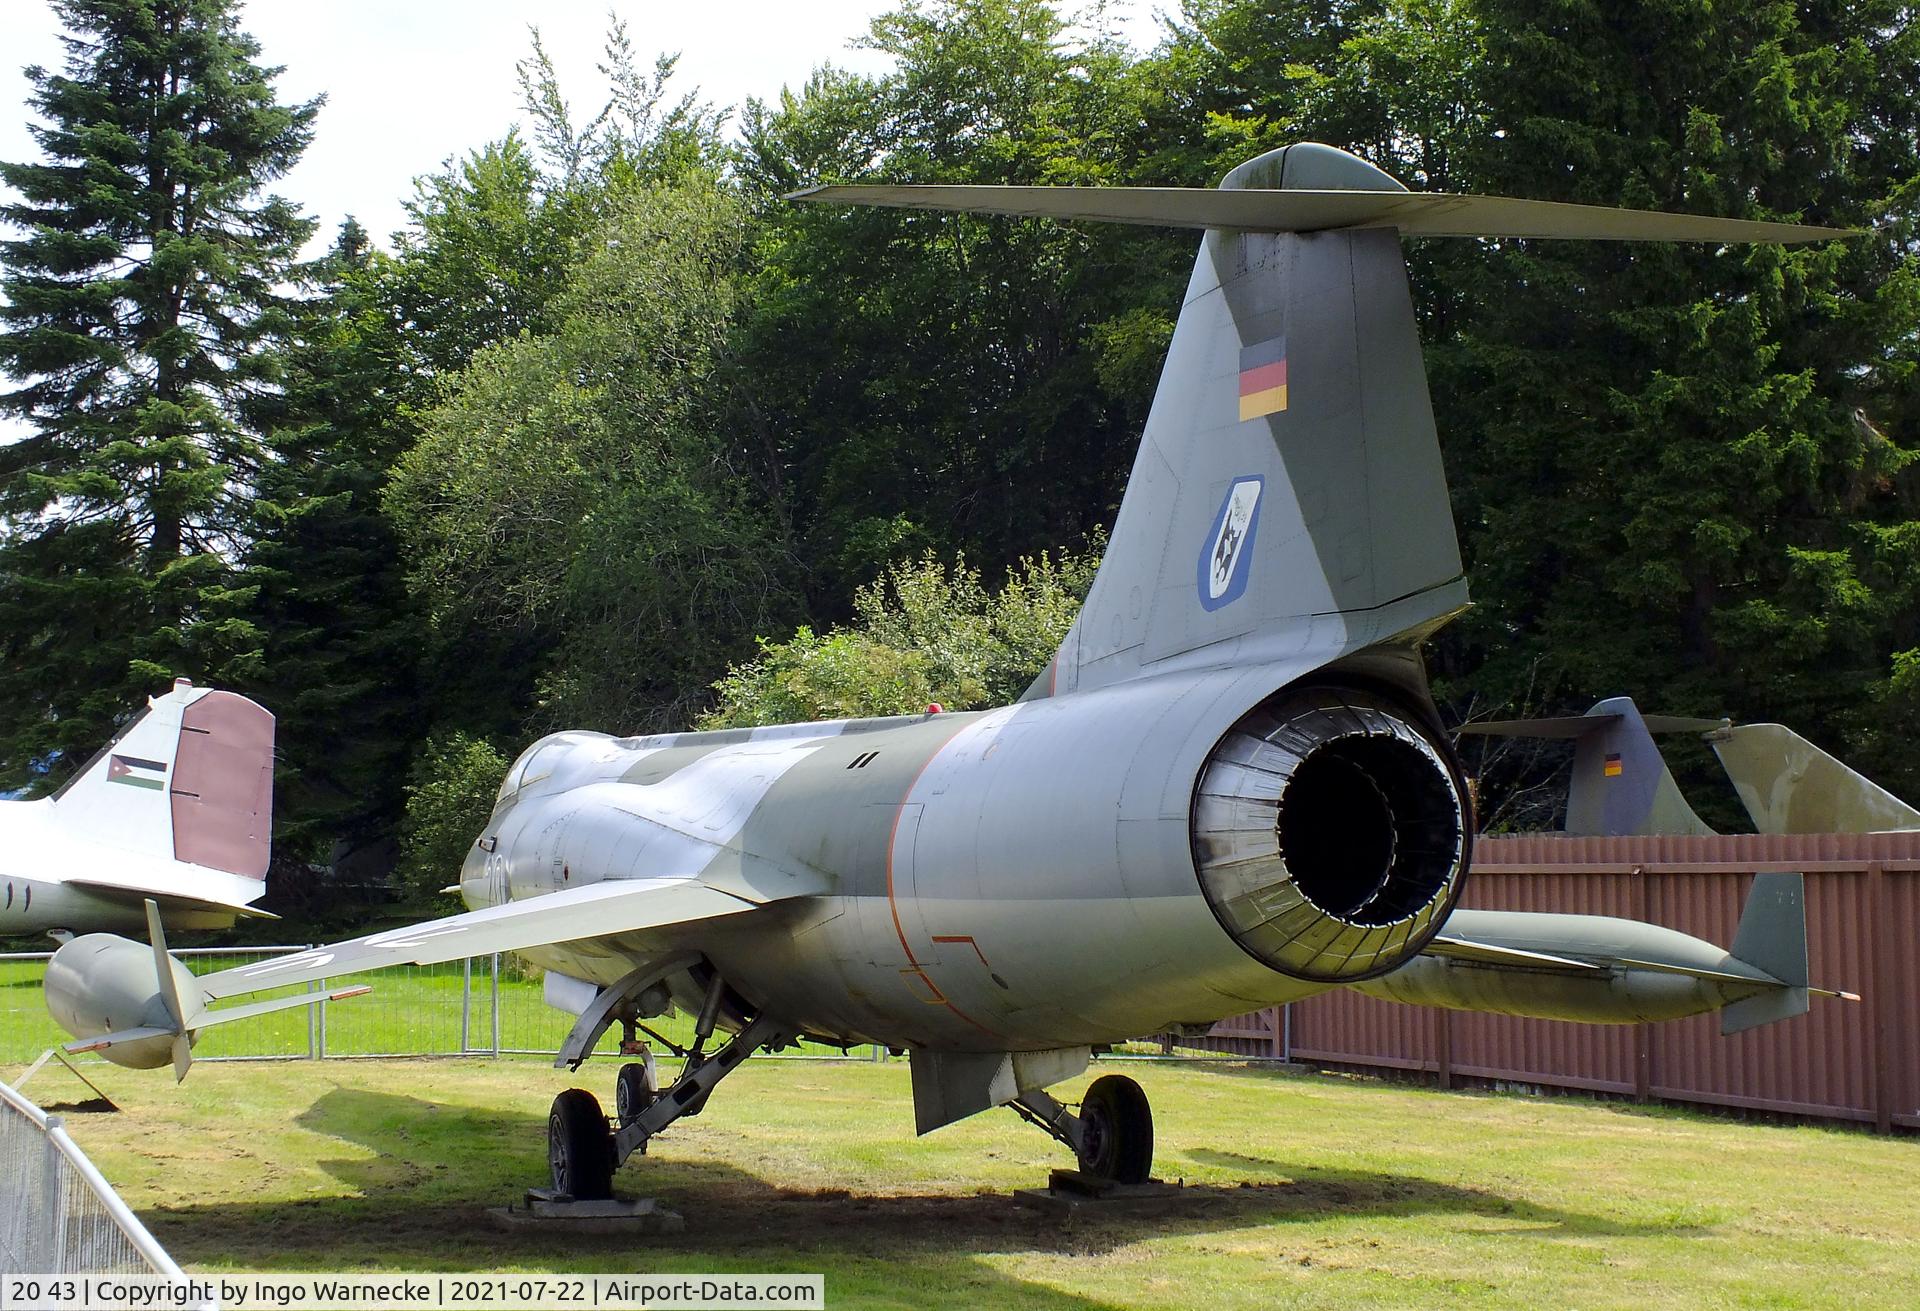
column 420, row 1200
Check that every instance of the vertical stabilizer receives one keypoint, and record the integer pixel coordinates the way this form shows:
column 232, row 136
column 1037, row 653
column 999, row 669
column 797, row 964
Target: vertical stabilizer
column 190, row 778
column 1621, row 784
column 1287, row 502
column 1772, row 938
column 1288, row 493
column 1789, row 785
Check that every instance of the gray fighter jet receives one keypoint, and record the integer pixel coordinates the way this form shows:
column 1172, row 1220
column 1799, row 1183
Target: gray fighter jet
column 1228, row 789
column 1621, row 786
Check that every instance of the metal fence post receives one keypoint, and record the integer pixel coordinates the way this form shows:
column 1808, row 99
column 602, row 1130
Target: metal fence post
column 313, row 1025
column 1879, row 1029
column 466, row 1004
column 496, row 1003
column 53, row 1195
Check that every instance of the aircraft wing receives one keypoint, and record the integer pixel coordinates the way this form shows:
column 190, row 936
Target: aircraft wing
column 175, row 881
column 593, row 911
column 1493, row 953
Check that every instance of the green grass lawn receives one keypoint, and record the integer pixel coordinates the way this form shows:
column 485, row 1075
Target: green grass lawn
column 412, row 1010
column 1302, row 1190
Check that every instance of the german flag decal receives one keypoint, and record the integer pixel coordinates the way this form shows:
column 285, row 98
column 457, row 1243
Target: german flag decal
column 1263, row 379
column 1613, row 768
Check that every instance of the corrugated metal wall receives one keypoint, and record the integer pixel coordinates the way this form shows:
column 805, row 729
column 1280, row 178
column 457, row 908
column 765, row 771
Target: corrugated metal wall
column 1858, row 1062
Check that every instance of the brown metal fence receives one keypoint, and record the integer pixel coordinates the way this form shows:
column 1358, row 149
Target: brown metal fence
column 1855, row 1062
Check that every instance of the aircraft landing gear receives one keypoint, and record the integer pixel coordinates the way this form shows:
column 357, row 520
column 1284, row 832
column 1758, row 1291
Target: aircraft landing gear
column 579, row 1147
column 635, row 1088
column 582, row 1153
column 1112, row 1135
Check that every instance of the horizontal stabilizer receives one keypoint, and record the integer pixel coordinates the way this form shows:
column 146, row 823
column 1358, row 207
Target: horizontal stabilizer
column 177, row 901
column 1414, row 214
column 1683, row 724
column 117, row 1038
column 1563, row 726
column 1573, row 727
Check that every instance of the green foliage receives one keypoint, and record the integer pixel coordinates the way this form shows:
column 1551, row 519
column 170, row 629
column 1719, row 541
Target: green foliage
column 1664, row 486
column 941, row 381
column 449, row 796
column 637, row 133
column 1681, row 473
column 485, row 254
column 341, row 637
column 610, row 410
column 925, row 632
column 591, row 499
column 142, row 299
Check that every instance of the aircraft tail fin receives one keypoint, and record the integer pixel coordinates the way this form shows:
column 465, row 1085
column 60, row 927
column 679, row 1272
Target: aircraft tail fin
column 1772, row 938
column 1620, row 785
column 1288, row 495
column 190, row 778
column 1789, row 785
column 1288, row 499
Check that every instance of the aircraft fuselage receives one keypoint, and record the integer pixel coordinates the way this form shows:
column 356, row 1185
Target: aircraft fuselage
column 37, row 858
column 1014, row 879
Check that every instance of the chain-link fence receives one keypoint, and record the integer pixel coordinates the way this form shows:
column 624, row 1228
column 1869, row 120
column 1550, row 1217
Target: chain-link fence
column 58, row 1216
column 486, row 1005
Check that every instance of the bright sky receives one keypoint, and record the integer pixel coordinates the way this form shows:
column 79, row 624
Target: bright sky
column 410, row 82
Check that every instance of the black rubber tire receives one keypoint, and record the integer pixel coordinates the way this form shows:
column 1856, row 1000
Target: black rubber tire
column 635, row 1088
column 1116, row 1131
column 580, row 1147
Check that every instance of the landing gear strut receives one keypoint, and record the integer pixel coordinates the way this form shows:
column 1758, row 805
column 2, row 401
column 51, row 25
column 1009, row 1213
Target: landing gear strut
column 583, row 1153
column 1112, row 1135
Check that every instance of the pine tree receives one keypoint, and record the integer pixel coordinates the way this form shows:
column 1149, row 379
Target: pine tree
column 142, row 290
column 341, row 640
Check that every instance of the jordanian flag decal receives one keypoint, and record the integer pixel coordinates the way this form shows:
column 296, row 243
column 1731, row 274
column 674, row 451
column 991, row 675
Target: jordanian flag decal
column 135, row 772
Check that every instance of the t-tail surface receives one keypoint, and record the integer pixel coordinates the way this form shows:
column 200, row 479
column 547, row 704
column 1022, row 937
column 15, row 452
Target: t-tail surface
column 178, row 808
column 1621, row 786
column 1228, row 789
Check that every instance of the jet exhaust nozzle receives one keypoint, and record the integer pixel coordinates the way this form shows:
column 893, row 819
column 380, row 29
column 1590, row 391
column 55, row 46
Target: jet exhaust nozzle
column 1330, row 833
column 106, row 984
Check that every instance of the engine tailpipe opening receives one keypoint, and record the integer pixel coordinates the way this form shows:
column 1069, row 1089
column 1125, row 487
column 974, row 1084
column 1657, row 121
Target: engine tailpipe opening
column 1331, row 834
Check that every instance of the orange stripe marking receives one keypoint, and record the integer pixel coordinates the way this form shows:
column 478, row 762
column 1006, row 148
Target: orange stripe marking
column 893, row 904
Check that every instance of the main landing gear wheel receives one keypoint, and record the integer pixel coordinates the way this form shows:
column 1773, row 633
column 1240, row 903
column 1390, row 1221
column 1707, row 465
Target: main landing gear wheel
column 1116, row 1131
column 579, row 1147
column 634, row 1089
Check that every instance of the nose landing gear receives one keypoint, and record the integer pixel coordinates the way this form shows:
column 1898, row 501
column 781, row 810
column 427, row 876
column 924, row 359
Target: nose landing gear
column 579, row 1147
column 635, row 1088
